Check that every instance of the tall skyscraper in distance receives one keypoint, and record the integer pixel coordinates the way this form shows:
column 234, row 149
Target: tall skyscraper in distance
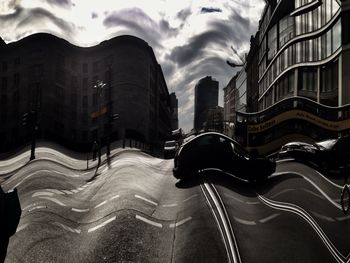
column 205, row 97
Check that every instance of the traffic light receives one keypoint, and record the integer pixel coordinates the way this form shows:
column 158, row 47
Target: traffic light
column 114, row 117
column 27, row 118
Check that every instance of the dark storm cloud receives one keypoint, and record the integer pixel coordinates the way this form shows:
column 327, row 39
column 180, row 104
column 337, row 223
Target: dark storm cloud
column 39, row 14
column 206, row 10
column 136, row 22
column 61, row 3
column 94, row 15
column 166, row 29
column 184, row 14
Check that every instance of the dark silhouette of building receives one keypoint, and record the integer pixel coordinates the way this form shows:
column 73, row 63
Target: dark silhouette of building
column 174, row 116
column 215, row 119
column 252, row 74
column 55, row 77
column 206, row 97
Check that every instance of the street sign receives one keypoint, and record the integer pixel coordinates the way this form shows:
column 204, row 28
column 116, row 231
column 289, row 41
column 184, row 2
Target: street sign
column 99, row 112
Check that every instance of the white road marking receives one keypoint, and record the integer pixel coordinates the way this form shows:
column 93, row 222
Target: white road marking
column 25, row 178
column 169, row 205
column 59, row 192
column 266, row 219
column 75, row 191
column 80, row 188
column 42, row 193
column 67, row 192
column 102, row 224
column 21, row 227
column 244, row 222
column 189, row 198
column 31, row 205
column 37, row 207
column 285, row 160
column 149, row 221
column 327, row 218
column 53, row 200
column 239, row 200
column 114, row 197
column 77, row 231
column 183, row 221
column 342, row 218
column 145, row 199
column 80, row 210
column 101, row 204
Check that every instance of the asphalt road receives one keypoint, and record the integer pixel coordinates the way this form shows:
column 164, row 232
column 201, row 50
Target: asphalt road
column 136, row 211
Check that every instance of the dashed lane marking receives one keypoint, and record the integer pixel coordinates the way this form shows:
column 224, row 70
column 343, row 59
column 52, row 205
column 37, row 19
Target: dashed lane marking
column 114, row 197
column 80, row 188
column 101, row 204
column 59, row 192
column 42, row 193
column 327, row 218
column 102, row 224
column 189, row 198
column 67, row 192
column 267, row 219
column 183, row 221
column 145, row 199
column 75, row 191
column 342, row 218
column 80, row 210
column 21, row 227
column 150, row 222
column 77, row 231
column 37, row 207
column 245, row 222
column 53, row 200
column 169, row 205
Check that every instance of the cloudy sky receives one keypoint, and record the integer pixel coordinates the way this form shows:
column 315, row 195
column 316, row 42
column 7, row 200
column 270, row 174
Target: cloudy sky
column 191, row 38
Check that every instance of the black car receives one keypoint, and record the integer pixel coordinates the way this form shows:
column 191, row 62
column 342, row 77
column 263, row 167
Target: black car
column 215, row 150
column 331, row 156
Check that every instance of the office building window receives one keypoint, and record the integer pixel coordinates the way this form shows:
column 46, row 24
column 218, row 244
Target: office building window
column 85, row 101
column 17, row 62
column 272, row 42
column 16, row 79
column 4, row 84
column 95, row 66
column 85, row 84
column 336, row 35
column 85, row 67
column 4, row 66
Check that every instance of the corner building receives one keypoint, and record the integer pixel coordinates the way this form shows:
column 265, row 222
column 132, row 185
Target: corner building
column 304, row 51
column 57, row 77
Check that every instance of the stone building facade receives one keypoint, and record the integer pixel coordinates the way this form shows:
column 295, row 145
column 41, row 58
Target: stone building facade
column 51, row 75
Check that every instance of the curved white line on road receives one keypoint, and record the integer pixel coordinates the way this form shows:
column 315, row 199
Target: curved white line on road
column 37, row 207
column 21, row 227
column 189, row 198
column 323, row 217
column 241, row 201
column 269, row 218
column 338, row 206
column 244, row 222
column 102, row 224
column 101, row 204
column 42, row 193
column 68, row 192
column 53, row 200
column 113, row 197
column 301, row 212
column 285, row 160
column 55, row 191
column 342, row 218
column 76, row 231
column 169, row 205
column 183, row 221
column 80, row 210
column 145, row 199
column 150, row 222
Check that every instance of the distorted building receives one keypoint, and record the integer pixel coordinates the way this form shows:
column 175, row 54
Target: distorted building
column 304, row 51
column 48, row 73
column 215, row 119
column 206, row 97
column 174, row 116
column 229, row 107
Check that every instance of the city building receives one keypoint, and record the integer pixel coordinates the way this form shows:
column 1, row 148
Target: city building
column 174, row 116
column 215, row 119
column 56, row 79
column 304, row 51
column 303, row 62
column 206, row 97
column 229, row 107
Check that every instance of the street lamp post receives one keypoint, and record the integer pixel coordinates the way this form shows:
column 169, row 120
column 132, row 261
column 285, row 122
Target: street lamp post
column 99, row 86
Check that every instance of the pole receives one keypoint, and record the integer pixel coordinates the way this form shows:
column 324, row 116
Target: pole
column 34, row 120
column 109, row 129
